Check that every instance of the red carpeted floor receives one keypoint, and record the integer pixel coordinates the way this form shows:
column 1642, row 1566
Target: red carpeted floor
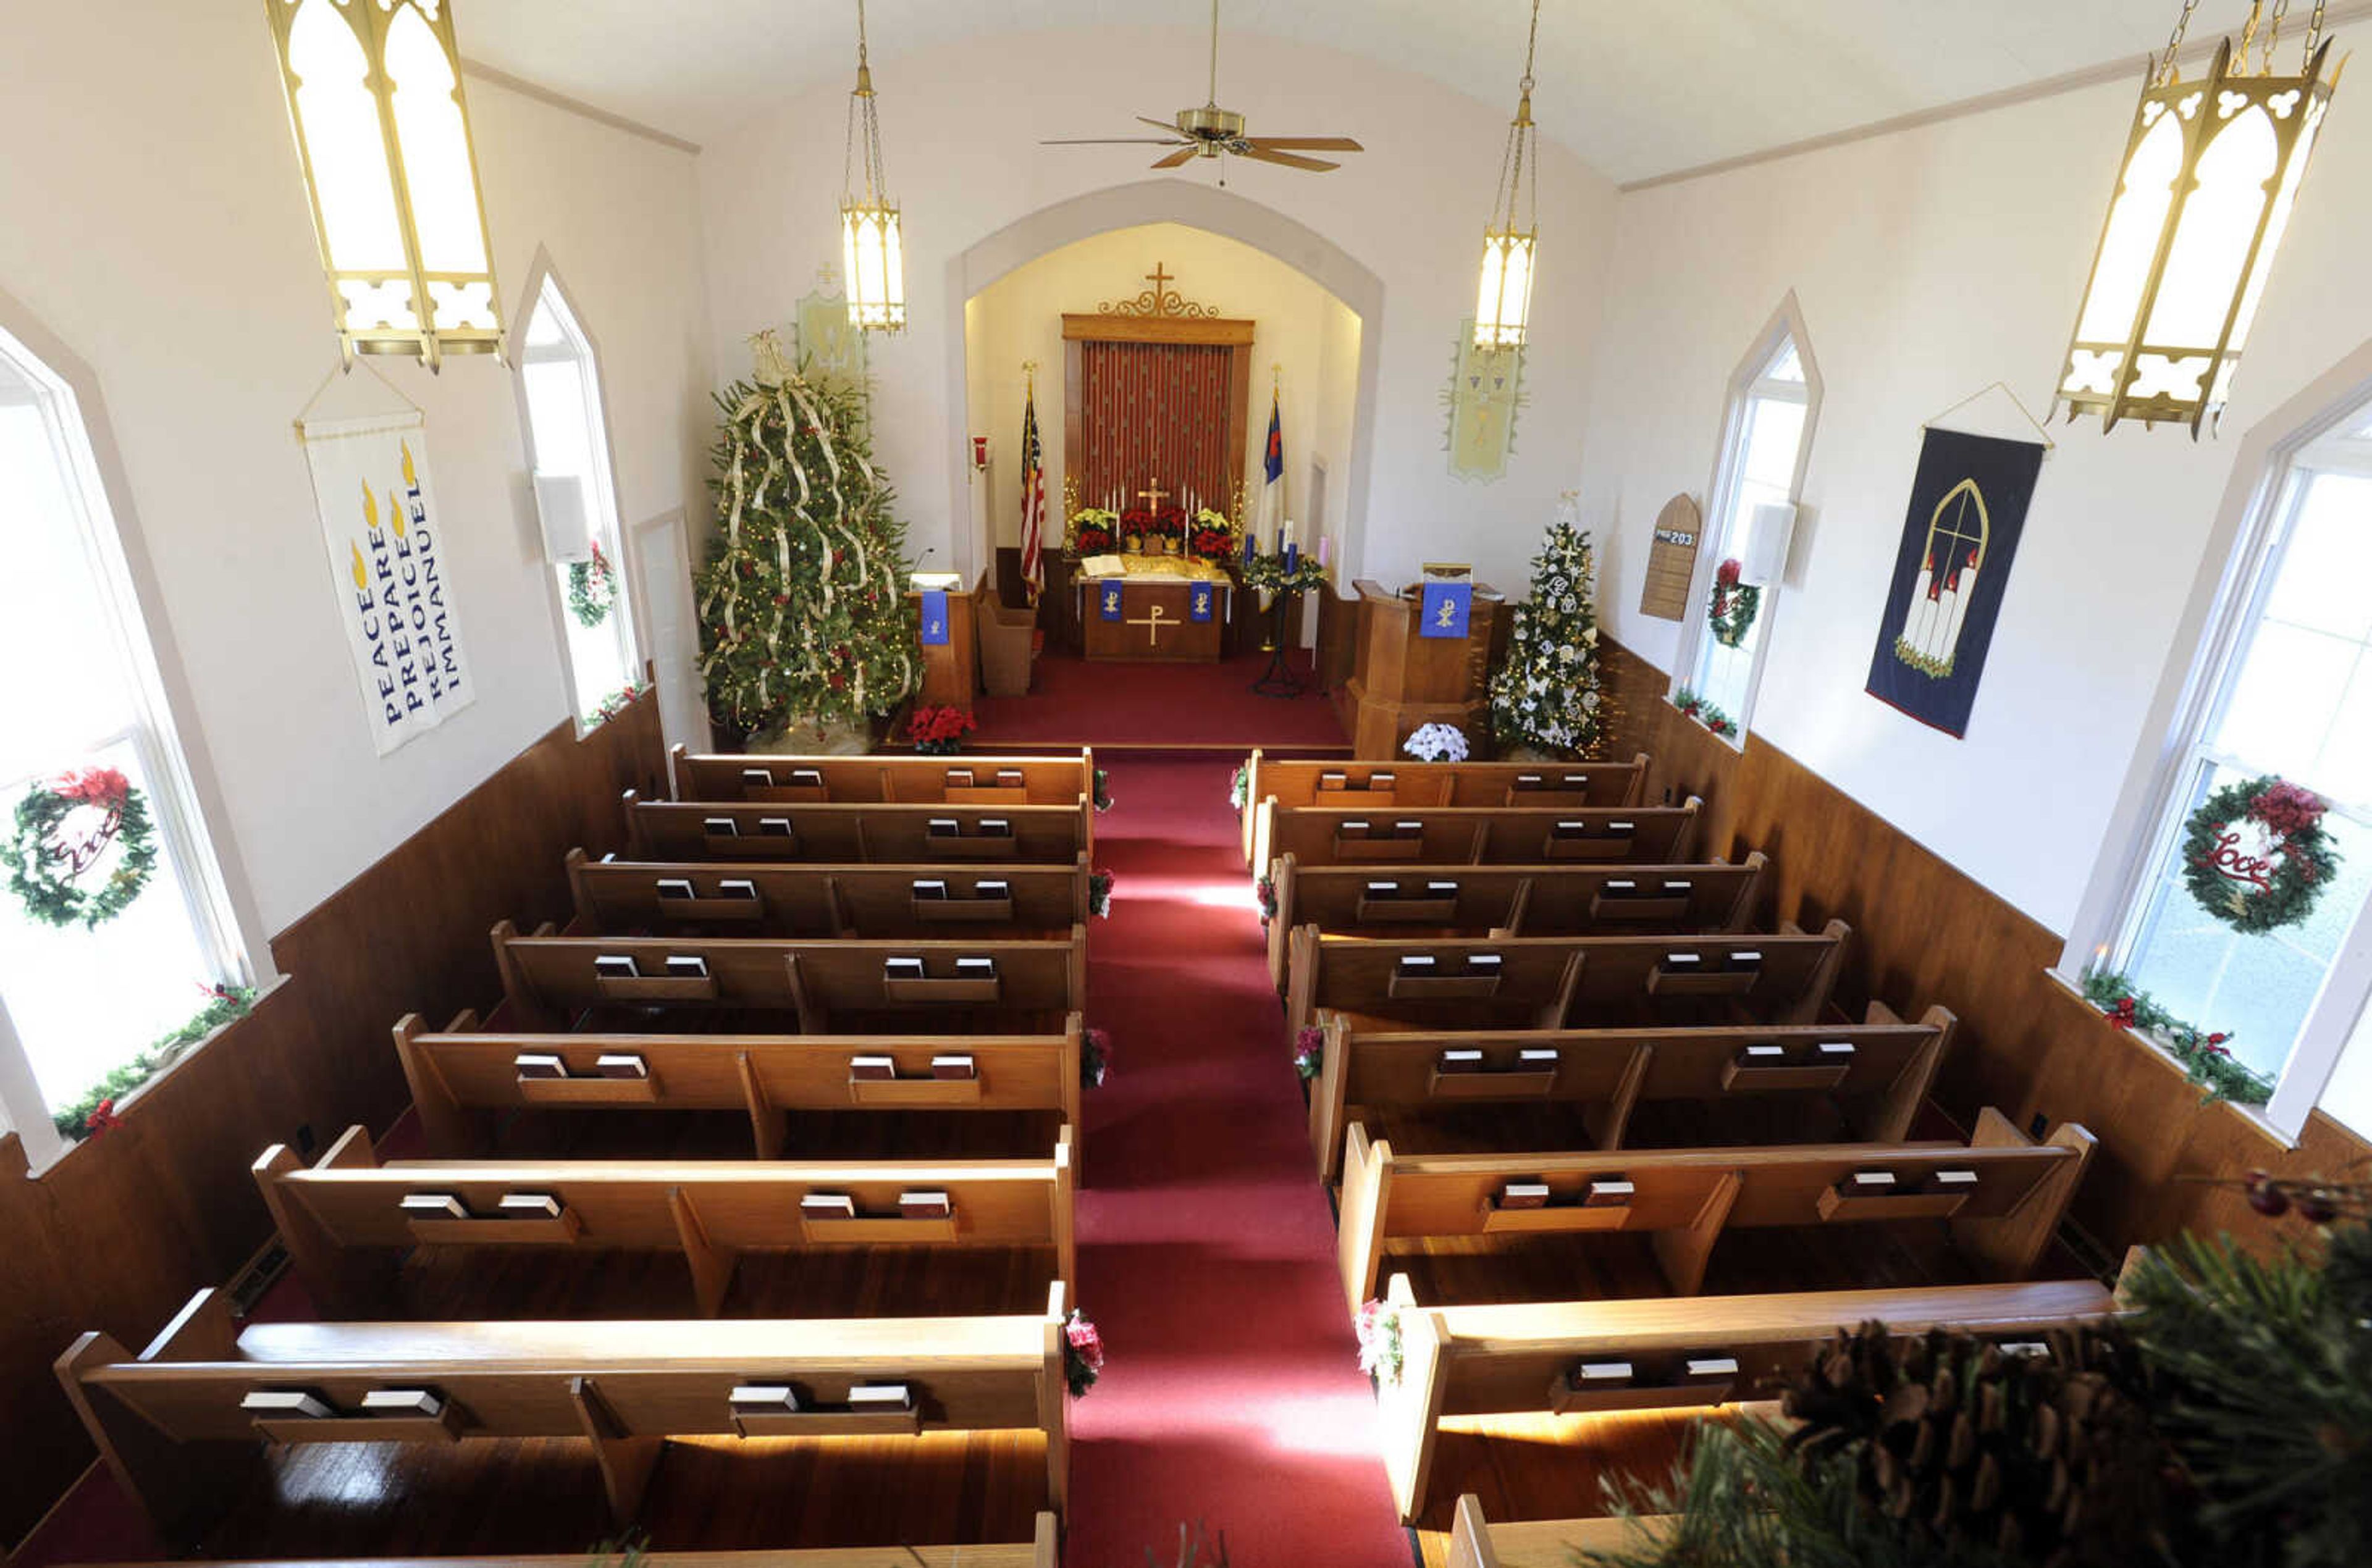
column 1073, row 703
column 1207, row 1245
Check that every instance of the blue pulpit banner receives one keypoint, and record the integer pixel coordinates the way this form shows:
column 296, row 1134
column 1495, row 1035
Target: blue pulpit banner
column 1198, row 601
column 935, row 618
column 1110, row 600
column 1446, row 608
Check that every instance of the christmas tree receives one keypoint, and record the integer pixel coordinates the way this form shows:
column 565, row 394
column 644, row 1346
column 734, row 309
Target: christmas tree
column 803, row 610
column 1545, row 696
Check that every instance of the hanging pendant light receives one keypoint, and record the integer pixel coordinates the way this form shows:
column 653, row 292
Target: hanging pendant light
column 2208, row 181
column 1504, row 303
column 373, row 91
column 871, row 250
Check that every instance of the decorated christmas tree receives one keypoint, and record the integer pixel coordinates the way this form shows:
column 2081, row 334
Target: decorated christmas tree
column 803, row 611
column 1545, row 696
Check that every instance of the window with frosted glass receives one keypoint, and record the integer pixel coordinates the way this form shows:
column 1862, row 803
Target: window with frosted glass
column 1758, row 467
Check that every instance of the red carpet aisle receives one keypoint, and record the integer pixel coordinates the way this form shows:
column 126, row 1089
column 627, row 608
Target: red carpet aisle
column 1206, row 1246
column 1203, row 705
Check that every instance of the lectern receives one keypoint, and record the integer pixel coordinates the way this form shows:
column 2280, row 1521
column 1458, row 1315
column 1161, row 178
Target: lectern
column 950, row 669
column 1401, row 678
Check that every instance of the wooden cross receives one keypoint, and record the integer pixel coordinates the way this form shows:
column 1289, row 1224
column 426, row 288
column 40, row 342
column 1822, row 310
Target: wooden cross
column 1153, row 620
column 1157, row 277
column 1153, row 497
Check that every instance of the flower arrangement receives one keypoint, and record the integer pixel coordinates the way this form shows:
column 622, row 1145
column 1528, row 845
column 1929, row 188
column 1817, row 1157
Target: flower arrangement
column 937, row 731
column 1730, row 612
column 1705, row 713
column 96, row 1111
column 592, row 589
column 1378, row 1328
column 2205, row 1058
column 1095, row 1057
column 1099, row 891
column 1154, row 525
column 1437, row 743
column 1103, row 800
column 1308, row 1052
column 1211, row 537
column 1083, row 1353
column 1268, row 572
column 1240, row 788
column 1093, row 530
column 63, row 828
column 1264, row 889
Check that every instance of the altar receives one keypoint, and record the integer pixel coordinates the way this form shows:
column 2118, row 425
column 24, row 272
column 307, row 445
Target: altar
column 1160, row 609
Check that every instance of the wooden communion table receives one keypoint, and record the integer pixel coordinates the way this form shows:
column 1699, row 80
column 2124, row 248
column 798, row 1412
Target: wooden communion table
column 1155, row 620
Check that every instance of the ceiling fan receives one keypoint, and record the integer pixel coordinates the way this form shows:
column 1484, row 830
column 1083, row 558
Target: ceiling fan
column 1210, row 130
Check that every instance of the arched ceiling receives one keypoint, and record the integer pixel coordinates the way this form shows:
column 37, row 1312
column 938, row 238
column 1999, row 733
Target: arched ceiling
column 1635, row 90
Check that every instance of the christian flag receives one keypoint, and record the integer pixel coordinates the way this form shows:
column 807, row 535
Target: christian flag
column 1033, row 499
column 1271, row 514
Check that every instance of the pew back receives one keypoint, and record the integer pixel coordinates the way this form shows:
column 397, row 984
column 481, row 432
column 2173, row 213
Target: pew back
column 466, row 1070
column 1546, row 982
column 971, row 780
column 863, row 834
column 1043, row 1551
column 777, row 900
column 1464, row 835
column 1393, row 785
column 1881, row 1075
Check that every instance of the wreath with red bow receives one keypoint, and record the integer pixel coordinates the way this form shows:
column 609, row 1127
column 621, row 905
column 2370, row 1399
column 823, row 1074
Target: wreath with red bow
column 2255, row 854
column 63, row 830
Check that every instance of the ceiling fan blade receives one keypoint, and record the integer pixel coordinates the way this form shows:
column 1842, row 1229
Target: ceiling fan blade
column 1182, row 155
column 1112, row 141
column 1310, row 143
column 1291, row 160
column 1169, row 125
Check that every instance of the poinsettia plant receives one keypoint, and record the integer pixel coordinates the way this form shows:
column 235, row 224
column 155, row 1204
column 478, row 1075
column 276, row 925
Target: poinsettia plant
column 1093, row 530
column 1380, row 1354
column 1083, row 1353
column 1095, row 1057
column 1309, row 1052
column 936, row 731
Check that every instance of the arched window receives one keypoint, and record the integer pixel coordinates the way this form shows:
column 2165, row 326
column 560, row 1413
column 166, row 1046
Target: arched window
column 1774, row 400
column 85, row 702
column 568, row 451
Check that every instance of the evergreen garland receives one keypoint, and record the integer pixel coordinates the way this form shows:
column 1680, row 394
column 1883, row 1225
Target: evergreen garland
column 803, row 610
column 1546, row 695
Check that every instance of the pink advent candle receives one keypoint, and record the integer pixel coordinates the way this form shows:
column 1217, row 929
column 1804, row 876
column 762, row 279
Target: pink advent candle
column 1324, row 540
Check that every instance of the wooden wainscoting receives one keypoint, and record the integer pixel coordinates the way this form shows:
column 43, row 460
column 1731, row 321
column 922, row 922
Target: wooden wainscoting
column 1925, row 933
column 120, row 1231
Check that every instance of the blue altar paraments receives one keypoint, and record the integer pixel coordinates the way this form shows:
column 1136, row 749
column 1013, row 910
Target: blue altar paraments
column 1199, row 598
column 935, row 618
column 1110, row 600
column 1446, row 608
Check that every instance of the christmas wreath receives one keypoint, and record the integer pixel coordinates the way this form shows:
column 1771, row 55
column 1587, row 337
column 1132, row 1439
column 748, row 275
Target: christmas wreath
column 1734, row 606
column 592, row 589
column 63, row 828
column 2255, row 854
column 1268, row 572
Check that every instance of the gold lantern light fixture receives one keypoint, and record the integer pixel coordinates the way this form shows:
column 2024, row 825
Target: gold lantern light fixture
column 1504, row 303
column 2205, row 190
column 872, row 248
column 374, row 90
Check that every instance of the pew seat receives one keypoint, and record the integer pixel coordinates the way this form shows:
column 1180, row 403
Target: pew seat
column 1390, row 786
column 1464, row 835
column 1044, row 1550
column 836, row 833
column 770, row 899
column 975, row 778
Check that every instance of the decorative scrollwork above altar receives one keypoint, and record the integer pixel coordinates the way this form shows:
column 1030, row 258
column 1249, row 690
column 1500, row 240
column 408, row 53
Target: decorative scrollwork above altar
column 1158, row 300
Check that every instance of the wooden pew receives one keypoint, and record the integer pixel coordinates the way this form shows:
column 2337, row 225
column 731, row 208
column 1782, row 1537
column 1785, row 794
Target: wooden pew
column 1033, row 982
column 859, row 834
column 177, row 1427
column 1042, row 1552
column 1549, row 982
column 879, row 780
column 466, row 1070
column 711, row 1211
column 1473, row 835
column 1880, row 1081
column 768, row 898
column 2003, row 1194
column 1475, row 1542
column 1516, row 901
column 1462, row 1360
column 1393, row 785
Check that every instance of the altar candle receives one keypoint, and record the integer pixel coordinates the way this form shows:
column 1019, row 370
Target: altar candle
column 1324, row 540
column 1292, row 558
column 1248, row 547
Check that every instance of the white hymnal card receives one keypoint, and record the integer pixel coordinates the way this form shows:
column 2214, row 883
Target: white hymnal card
column 538, row 1065
column 620, row 1064
column 433, row 1206
column 283, row 1403
column 530, row 1206
column 403, row 1401
column 674, row 886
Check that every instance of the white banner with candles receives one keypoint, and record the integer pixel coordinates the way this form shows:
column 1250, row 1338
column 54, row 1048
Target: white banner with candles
column 384, row 540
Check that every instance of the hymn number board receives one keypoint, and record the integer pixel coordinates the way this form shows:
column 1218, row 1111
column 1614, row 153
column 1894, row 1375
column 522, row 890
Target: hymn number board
column 1673, row 559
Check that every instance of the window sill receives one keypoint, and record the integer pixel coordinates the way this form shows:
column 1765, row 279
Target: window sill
column 131, row 1102
column 1735, row 742
column 2253, row 1116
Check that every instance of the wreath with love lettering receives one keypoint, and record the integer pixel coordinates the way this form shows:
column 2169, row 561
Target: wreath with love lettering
column 63, row 828
column 1733, row 606
column 2255, row 854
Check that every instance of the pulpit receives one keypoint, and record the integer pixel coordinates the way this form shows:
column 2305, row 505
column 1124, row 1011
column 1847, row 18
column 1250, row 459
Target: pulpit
column 1401, row 678
column 950, row 667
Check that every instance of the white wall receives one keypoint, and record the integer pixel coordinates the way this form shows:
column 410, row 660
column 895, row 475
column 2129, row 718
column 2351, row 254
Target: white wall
column 1296, row 327
column 960, row 132
column 1930, row 263
column 158, row 225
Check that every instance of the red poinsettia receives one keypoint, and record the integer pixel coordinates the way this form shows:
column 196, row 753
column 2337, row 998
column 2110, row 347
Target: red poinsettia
column 2121, row 1016
column 94, row 786
column 1093, row 540
column 927, row 725
column 103, row 1117
column 1211, row 545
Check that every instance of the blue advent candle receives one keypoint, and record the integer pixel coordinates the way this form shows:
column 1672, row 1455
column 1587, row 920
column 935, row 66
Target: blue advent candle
column 1292, row 558
column 1249, row 544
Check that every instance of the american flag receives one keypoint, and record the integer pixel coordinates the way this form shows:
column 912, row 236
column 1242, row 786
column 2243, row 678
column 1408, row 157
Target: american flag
column 1033, row 499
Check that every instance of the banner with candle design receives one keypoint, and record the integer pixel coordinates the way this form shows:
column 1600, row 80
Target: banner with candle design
column 1959, row 535
column 385, row 540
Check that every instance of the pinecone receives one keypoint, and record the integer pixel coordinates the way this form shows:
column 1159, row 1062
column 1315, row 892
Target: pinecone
column 2053, row 1459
